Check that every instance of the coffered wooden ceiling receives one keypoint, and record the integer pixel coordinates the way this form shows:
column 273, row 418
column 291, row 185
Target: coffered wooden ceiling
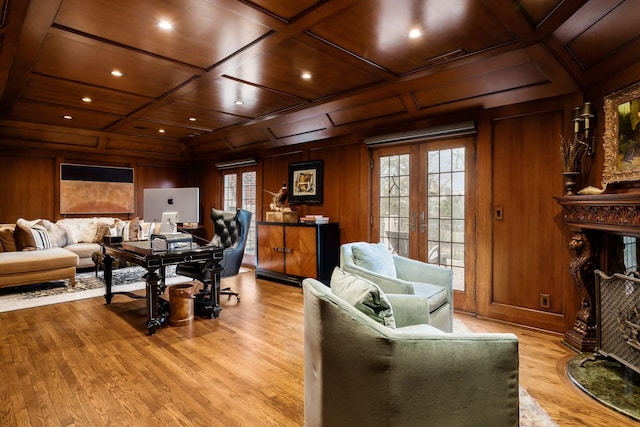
column 227, row 79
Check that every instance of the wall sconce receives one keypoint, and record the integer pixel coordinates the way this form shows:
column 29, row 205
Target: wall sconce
column 583, row 121
column 574, row 149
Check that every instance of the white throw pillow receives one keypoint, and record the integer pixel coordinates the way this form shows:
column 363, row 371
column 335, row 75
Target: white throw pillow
column 87, row 231
column 71, row 236
column 57, row 233
column 146, row 229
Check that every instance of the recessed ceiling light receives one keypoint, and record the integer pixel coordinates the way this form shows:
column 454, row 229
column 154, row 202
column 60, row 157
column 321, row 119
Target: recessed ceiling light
column 238, row 102
column 306, row 75
column 67, row 117
column 192, row 119
column 117, row 73
column 415, row 33
column 165, row 25
column 161, row 130
column 86, row 99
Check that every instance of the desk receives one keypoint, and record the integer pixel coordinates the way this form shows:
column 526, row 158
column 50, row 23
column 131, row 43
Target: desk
column 140, row 253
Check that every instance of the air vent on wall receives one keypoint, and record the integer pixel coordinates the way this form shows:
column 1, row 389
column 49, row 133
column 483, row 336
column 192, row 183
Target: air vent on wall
column 455, row 129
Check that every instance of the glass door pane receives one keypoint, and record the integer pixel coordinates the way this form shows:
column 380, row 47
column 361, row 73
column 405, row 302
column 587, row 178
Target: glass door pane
column 249, row 204
column 243, row 195
column 394, row 198
column 446, row 211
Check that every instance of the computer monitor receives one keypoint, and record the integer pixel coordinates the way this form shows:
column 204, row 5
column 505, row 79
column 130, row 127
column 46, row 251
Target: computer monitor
column 169, row 223
column 182, row 203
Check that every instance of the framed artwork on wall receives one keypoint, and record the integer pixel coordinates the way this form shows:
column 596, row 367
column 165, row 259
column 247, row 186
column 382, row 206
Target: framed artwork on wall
column 88, row 189
column 621, row 143
column 305, row 183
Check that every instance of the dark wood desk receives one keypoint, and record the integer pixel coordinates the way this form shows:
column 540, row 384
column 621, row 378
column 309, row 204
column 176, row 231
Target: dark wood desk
column 154, row 262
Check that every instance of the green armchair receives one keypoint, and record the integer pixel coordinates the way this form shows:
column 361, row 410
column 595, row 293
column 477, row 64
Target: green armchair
column 399, row 275
column 358, row 372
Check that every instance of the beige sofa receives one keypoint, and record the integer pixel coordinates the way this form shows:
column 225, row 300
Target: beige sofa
column 39, row 250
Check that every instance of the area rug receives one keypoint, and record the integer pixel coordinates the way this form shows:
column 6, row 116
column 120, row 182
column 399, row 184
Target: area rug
column 87, row 286
column 531, row 413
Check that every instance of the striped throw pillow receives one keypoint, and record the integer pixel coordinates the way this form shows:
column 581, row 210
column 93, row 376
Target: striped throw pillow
column 41, row 237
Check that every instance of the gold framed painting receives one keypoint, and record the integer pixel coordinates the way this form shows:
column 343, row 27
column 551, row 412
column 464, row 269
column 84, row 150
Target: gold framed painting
column 621, row 140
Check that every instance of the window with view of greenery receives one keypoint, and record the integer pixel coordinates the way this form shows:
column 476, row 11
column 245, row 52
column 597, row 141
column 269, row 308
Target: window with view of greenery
column 247, row 200
column 446, row 210
column 394, row 203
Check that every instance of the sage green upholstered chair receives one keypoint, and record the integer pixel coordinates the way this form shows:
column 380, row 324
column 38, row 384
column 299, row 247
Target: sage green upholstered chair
column 359, row 372
column 399, row 275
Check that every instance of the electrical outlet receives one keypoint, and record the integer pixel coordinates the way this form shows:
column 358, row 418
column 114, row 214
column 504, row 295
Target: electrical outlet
column 545, row 301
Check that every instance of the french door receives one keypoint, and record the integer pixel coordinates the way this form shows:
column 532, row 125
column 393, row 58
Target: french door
column 239, row 191
column 423, row 207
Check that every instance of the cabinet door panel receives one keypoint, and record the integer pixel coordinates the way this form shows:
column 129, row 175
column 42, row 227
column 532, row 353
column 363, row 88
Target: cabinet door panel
column 271, row 248
column 301, row 257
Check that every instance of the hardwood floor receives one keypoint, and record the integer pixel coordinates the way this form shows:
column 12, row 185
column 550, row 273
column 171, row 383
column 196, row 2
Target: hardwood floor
column 87, row 364
column 542, row 361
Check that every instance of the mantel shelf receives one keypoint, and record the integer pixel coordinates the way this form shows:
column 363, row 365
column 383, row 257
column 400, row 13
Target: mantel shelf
column 615, row 213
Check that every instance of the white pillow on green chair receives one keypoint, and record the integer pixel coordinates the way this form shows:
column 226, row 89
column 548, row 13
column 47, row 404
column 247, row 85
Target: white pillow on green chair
column 364, row 295
column 374, row 257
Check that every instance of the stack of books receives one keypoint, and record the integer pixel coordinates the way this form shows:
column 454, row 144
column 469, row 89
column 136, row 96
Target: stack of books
column 315, row 219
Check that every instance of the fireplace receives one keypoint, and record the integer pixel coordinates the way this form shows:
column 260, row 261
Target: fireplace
column 618, row 318
column 605, row 235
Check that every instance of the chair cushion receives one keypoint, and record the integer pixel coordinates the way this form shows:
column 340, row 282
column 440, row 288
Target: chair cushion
column 364, row 295
column 374, row 257
column 436, row 295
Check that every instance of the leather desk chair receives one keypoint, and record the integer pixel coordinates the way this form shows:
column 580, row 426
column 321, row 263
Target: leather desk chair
column 230, row 232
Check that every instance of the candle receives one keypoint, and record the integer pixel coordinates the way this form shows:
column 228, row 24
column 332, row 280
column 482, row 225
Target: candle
column 575, row 116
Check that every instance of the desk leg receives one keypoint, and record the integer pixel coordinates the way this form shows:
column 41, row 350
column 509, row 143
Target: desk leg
column 108, row 270
column 155, row 313
column 215, row 289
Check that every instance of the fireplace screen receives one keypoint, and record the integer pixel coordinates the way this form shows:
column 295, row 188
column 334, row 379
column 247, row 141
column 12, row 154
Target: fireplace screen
column 618, row 317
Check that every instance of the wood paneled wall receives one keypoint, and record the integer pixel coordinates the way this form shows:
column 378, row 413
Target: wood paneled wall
column 30, row 183
column 525, row 253
column 28, row 189
column 345, row 197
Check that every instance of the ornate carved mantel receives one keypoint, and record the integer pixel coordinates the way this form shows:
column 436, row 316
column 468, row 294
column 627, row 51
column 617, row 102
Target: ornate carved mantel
column 589, row 219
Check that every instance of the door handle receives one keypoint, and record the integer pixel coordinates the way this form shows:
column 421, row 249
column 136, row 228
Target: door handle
column 423, row 226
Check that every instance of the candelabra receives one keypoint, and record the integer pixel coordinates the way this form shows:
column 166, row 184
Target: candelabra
column 580, row 145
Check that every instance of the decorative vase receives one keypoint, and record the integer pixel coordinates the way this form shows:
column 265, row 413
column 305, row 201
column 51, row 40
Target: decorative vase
column 570, row 180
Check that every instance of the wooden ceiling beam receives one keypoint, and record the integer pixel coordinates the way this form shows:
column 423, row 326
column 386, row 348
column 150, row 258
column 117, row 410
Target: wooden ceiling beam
column 34, row 27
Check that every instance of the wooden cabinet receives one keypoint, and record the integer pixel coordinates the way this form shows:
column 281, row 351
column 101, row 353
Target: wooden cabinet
column 290, row 252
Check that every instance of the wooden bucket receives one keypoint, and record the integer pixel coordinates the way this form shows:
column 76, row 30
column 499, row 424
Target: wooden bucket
column 181, row 306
